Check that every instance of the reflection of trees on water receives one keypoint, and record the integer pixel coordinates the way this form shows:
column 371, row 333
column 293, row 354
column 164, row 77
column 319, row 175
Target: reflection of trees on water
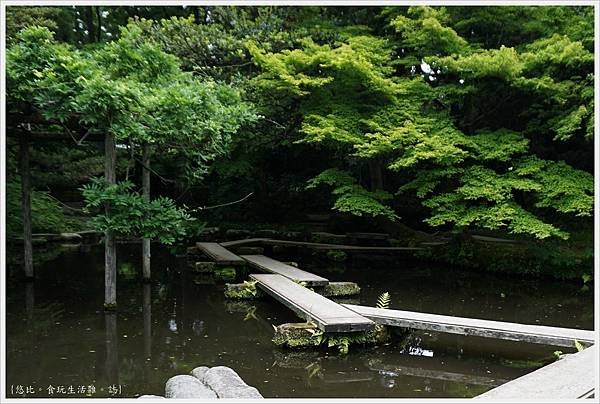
column 111, row 343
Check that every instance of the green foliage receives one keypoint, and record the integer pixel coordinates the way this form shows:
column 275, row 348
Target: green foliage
column 131, row 215
column 383, row 301
column 247, row 290
column 579, row 346
column 46, row 214
column 351, row 197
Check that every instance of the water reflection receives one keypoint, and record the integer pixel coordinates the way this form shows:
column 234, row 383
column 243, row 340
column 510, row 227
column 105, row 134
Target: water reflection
column 143, row 350
column 111, row 344
column 147, row 314
column 29, row 300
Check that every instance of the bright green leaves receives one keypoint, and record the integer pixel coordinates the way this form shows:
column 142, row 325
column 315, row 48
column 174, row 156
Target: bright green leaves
column 136, row 57
column 503, row 63
column 499, row 145
column 481, row 197
column 506, row 215
column 566, row 126
column 556, row 53
column 423, row 31
column 480, row 183
column 290, row 70
column 352, row 197
column 562, row 187
column 131, row 215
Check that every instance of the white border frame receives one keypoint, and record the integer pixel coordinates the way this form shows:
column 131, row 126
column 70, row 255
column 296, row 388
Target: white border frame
column 3, row 274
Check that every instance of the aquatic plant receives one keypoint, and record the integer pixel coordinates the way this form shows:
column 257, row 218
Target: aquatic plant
column 383, row 301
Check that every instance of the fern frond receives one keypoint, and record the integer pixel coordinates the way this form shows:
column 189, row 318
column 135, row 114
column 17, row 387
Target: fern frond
column 383, row 301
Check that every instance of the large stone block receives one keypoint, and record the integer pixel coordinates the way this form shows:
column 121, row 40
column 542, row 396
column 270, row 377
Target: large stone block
column 185, row 386
column 226, row 383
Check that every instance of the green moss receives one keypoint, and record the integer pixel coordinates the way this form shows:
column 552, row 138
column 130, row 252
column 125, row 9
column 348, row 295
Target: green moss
column 334, row 289
column 304, row 335
column 246, row 290
column 225, row 273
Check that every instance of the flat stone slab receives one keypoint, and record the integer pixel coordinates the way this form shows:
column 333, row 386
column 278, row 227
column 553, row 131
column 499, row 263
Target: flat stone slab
column 220, row 254
column 327, row 314
column 185, row 386
column 536, row 334
column 566, row 379
column 277, row 267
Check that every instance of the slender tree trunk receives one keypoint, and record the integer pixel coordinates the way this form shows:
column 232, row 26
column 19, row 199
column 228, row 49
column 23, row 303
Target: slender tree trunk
column 99, row 19
column 110, row 250
column 88, row 13
column 26, row 205
column 376, row 174
column 146, row 193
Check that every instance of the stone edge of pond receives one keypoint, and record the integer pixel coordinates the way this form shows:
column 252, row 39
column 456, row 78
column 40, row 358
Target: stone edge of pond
column 207, row 383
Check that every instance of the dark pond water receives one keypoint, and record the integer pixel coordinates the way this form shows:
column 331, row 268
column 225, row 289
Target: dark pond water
column 58, row 336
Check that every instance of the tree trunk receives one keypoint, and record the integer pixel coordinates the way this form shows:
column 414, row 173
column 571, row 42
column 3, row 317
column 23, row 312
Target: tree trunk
column 99, row 18
column 146, row 193
column 110, row 251
column 88, row 12
column 26, row 205
column 376, row 174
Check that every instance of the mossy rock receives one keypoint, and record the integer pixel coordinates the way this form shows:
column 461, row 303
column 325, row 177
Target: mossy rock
column 225, row 273
column 306, row 335
column 242, row 291
column 204, row 267
column 297, row 335
column 333, row 289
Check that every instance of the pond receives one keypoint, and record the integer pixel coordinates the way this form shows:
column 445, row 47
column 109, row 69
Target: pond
column 58, row 334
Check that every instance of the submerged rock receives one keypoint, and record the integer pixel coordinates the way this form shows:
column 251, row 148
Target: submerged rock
column 333, row 289
column 185, row 386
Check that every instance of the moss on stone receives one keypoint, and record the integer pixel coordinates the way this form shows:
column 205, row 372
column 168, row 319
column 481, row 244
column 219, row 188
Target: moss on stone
column 204, row 267
column 304, row 335
column 334, row 289
column 246, row 290
column 225, row 273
